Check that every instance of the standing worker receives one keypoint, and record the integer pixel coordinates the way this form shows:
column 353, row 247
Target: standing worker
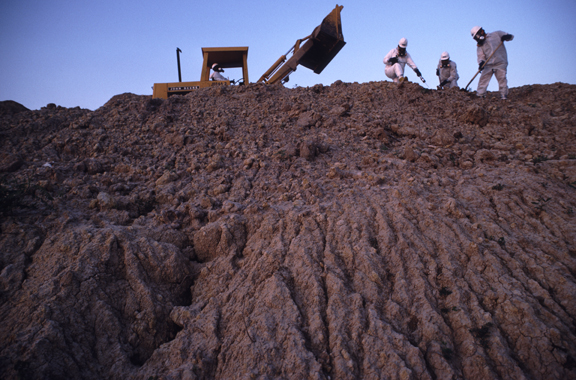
column 396, row 60
column 447, row 72
column 497, row 64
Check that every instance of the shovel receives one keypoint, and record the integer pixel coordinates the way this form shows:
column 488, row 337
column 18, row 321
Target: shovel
column 480, row 69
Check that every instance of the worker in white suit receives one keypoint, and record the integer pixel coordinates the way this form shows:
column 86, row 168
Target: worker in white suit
column 216, row 70
column 396, row 60
column 487, row 43
column 447, row 72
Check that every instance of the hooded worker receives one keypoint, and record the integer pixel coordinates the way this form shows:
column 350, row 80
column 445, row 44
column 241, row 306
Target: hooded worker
column 447, row 72
column 492, row 59
column 216, row 70
column 396, row 60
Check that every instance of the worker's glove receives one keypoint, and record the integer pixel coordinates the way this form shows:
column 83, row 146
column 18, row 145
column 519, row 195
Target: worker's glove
column 417, row 72
column 444, row 83
column 481, row 65
column 437, row 72
column 393, row 60
column 506, row 37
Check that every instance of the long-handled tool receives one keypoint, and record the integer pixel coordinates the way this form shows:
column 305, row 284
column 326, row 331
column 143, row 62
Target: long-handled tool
column 419, row 74
column 423, row 80
column 481, row 68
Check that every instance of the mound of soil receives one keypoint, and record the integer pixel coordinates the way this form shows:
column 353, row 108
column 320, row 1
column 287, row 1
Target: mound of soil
column 10, row 107
column 258, row 232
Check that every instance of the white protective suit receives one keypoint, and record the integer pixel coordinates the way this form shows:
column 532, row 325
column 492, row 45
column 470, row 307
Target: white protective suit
column 449, row 73
column 217, row 76
column 498, row 64
column 395, row 71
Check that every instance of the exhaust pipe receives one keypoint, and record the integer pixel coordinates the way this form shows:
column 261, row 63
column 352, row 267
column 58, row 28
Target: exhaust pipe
column 178, row 51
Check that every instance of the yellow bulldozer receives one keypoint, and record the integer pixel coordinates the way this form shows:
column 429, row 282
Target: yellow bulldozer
column 314, row 52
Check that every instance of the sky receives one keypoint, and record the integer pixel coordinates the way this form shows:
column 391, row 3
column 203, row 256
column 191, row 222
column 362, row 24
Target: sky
column 80, row 53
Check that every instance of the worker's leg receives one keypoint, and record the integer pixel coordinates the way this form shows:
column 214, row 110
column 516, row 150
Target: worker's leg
column 500, row 73
column 399, row 70
column 484, row 81
column 391, row 73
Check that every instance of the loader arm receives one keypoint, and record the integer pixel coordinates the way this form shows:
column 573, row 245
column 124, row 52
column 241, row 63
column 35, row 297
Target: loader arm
column 318, row 50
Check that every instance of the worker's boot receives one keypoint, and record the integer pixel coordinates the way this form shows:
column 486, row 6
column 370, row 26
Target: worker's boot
column 401, row 81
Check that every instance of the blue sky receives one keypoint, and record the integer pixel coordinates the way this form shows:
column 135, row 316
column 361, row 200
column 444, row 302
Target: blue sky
column 81, row 53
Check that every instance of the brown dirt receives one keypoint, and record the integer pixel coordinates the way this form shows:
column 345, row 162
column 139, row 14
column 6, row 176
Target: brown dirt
column 258, row 232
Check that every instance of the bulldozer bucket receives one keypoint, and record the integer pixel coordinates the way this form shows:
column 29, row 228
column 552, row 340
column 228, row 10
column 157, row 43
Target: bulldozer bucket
column 318, row 50
column 324, row 43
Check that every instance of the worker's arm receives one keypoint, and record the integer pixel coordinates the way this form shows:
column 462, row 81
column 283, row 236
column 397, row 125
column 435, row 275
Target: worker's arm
column 391, row 54
column 453, row 72
column 481, row 55
column 410, row 62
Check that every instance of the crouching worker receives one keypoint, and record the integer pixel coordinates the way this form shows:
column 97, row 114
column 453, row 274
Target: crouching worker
column 396, row 60
column 216, row 70
column 447, row 72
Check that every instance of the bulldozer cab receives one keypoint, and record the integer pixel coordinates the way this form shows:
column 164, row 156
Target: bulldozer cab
column 226, row 57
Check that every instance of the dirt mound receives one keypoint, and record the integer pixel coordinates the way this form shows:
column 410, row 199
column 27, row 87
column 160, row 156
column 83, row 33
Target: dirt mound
column 10, row 107
column 332, row 232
